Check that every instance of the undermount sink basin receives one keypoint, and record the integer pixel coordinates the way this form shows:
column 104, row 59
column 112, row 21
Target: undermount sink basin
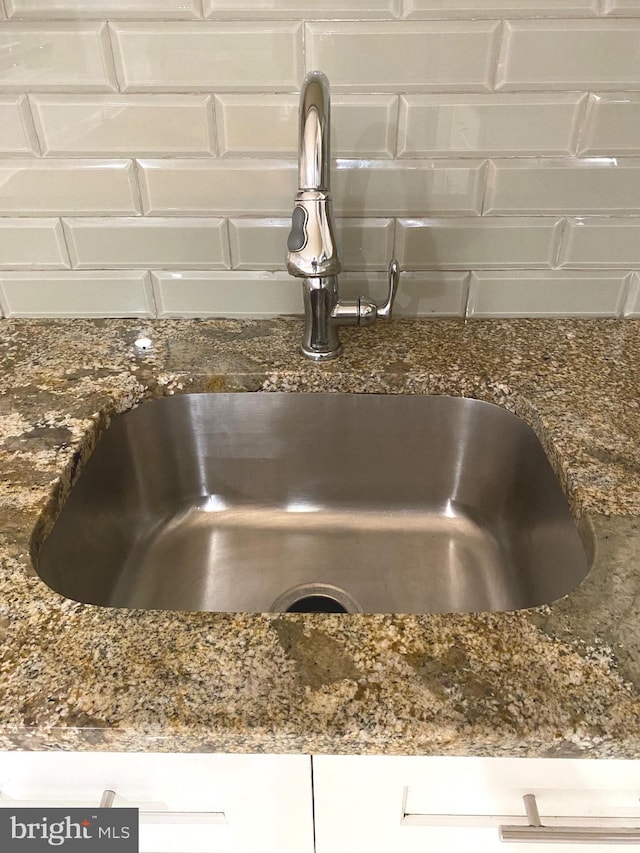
column 338, row 502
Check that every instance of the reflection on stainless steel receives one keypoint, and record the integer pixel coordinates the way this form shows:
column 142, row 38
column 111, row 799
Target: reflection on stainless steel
column 312, row 253
column 404, row 504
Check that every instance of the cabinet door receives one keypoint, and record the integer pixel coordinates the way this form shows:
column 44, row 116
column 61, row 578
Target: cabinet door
column 188, row 803
column 370, row 804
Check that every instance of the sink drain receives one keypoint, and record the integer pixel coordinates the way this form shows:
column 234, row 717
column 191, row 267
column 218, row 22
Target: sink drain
column 315, row 598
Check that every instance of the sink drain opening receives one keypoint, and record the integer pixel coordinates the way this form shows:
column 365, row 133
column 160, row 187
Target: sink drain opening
column 316, row 598
column 316, row 604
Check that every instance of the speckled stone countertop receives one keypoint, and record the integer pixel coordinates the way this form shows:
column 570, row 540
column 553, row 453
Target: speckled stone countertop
column 557, row 680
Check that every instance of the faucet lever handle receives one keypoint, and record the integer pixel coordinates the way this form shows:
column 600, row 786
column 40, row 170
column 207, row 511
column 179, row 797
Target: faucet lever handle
column 384, row 311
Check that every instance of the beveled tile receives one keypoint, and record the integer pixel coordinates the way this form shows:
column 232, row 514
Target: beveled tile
column 17, row 135
column 601, row 242
column 477, row 125
column 596, row 55
column 267, row 125
column 632, row 303
column 123, row 243
column 223, row 187
column 260, row 244
column 613, row 125
column 102, row 9
column 408, row 187
column 624, row 8
column 62, row 57
column 268, row 187
column 226, row 294
column 53, row 187
column 208, row 56
column 32, row 244
column 359, row 9
column 421, row 294
column 477, row 243
column 404, row 55
column 139, row 125
column 497, row 9
column 546, row 293
column 76, row 294
column 592, row 185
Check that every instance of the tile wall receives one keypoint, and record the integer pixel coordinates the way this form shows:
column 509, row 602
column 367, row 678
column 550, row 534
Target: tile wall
column 147, row 154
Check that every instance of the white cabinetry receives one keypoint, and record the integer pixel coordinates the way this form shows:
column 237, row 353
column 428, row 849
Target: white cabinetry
column 371, row 804
column 188, row 803
column 202, row 803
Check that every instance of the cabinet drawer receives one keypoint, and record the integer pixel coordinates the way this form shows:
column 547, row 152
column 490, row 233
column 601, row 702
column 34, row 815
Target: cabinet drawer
column 188, row 803
column 371, row 803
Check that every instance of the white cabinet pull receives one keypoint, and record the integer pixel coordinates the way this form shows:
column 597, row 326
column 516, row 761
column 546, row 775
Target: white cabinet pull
column 536, row 833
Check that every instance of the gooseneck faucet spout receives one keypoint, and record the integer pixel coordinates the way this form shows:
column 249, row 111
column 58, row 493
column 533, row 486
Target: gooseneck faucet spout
column 312, row 253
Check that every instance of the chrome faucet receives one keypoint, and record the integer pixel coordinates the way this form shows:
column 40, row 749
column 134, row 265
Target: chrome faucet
column 312, row 254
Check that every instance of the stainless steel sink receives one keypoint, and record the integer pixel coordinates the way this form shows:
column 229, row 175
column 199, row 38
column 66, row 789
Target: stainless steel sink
column 347, row 502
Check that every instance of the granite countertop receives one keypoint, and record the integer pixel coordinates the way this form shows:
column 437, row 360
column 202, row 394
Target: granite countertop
column 559, row 680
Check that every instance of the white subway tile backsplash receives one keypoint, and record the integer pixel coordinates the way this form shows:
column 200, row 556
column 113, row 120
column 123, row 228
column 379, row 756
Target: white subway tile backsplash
column 208, row 56
column 17, row 135
column 594, row 185
column 59, row 57
column 613, row 125
column 546, row 293
column 226, row 294
column 478, row 243
column 601, row 242
column 101, row 9
column 404, row 55
column 76, row 294
column 408, row 188
column 123, row 243
column 232, row 187
column 267, row 125
column 497, row 9
column 477, row 125
column 424, row 294
column 57, row 187
column 260, row 244
column 493, row 146
column 32, row 244
column 359, row 9
column 590, row 54
column 138, row 125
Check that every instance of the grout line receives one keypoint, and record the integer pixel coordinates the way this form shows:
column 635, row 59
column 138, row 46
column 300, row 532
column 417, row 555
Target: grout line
column 215, row 140
column 226, row 228
column 198, row 8
column 396, row 135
